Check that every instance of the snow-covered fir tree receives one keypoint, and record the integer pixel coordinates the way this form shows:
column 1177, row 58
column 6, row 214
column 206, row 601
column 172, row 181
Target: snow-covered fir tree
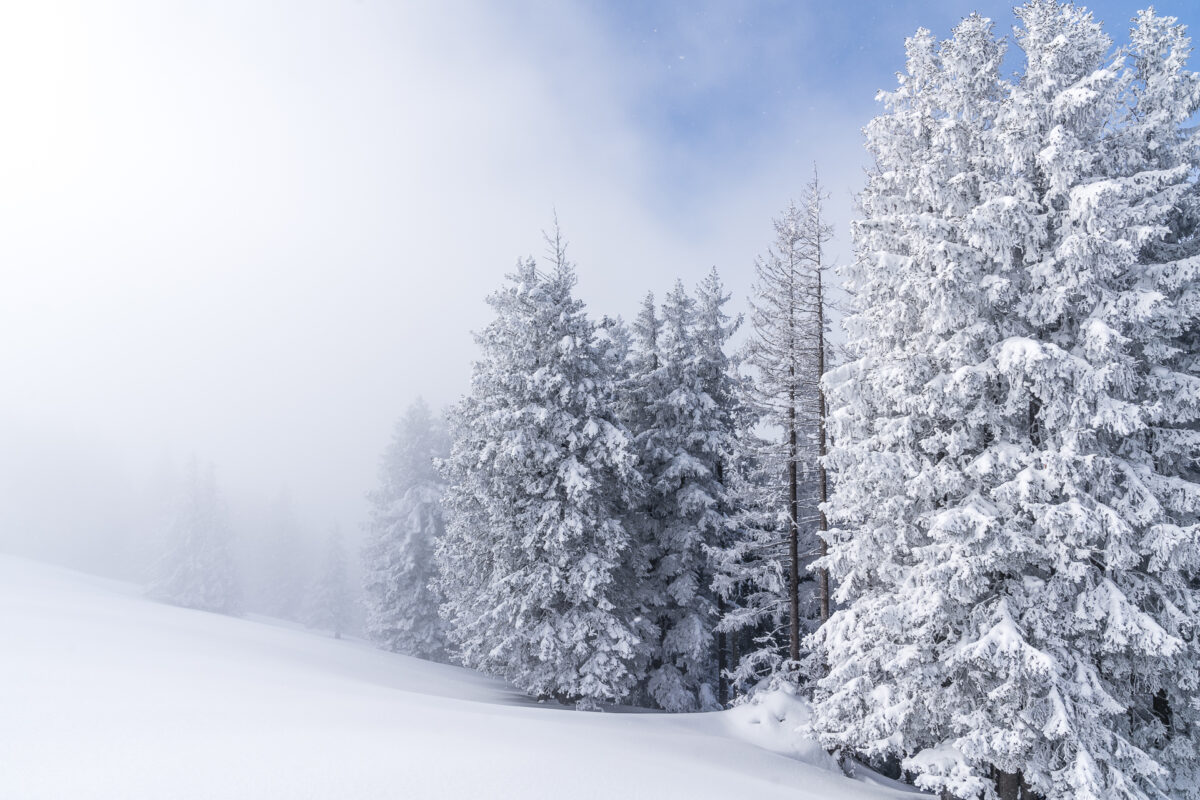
column 915, row 427
column 536, row 561
column 684, row 393
column 405, row 525
column 725, row 419
column 750, row 569
column 638, row 366
column 1002, row 522
column 1098, row 599
column 883, row 695
column 329, row 599
column 682, row 670
column 636, row 391
column 1157, row 150
column 196, row 568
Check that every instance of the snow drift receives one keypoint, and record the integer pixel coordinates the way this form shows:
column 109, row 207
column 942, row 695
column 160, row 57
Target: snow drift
column 105, row 694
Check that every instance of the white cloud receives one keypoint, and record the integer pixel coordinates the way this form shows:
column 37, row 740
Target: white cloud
column 256, row 231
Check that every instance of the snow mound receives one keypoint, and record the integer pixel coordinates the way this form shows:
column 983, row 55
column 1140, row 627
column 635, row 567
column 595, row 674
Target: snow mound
column 776, row 721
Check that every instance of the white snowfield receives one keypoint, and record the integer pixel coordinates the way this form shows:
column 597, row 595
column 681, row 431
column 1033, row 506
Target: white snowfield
column 104, row 694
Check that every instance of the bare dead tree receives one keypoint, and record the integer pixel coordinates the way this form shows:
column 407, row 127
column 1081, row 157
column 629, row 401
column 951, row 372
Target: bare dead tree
column 789, row 351
column 814, row 234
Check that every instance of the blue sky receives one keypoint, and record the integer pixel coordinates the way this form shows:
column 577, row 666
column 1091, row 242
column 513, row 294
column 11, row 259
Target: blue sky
column 723, row 78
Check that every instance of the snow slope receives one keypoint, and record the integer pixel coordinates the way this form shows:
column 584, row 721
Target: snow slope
column 104, row 694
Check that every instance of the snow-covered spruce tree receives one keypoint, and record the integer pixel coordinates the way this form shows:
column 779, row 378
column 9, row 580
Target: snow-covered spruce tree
column 727, row 419
column 196, row 568
column 403, row 531
column 329, row 598
column 639, row 368
column 682, row 674
column 535, row 564
column 1010, row 612
column 638, row 387
column 913, row 415
column 684, row 391
column 1090, row 602
column 751, row 568
column 1157, row 151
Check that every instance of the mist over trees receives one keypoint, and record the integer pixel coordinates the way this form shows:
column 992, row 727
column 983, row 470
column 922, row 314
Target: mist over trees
column 330, row 600
column 195, row 567
column 262, row 560
column 405, row 526
column 282, row 563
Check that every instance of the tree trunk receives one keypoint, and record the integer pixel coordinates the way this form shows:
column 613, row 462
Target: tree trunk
column 722, row 684
column 722, row 637
column 822, row 476
column 793, row 534
column 1035, row 423
column 734, row 638
column 1161, row 706
column 1008, row 785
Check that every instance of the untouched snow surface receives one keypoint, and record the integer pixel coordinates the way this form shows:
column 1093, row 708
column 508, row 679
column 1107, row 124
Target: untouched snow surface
column 104, row 694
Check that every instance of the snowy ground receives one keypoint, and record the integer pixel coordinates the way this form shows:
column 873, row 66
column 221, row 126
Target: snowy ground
column 104, row 694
